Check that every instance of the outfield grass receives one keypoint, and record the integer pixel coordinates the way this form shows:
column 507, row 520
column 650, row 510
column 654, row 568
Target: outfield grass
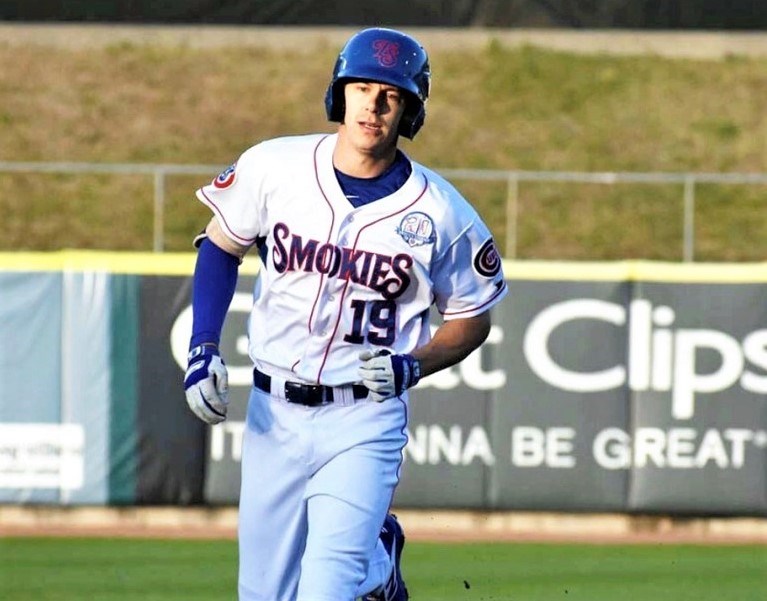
column 57, row 569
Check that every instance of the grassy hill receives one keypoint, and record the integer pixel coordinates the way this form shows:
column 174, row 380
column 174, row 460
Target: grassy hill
column 492, row 108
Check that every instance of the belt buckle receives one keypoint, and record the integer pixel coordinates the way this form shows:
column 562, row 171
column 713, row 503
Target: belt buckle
column 305, row 394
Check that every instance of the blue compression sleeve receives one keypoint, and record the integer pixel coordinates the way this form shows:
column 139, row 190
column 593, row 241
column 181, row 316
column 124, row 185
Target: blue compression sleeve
column 215, row 278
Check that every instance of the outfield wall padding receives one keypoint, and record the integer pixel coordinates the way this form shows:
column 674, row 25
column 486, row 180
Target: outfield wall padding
column 629, row 387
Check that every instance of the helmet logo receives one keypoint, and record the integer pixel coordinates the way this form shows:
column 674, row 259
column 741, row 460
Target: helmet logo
column 386, row 52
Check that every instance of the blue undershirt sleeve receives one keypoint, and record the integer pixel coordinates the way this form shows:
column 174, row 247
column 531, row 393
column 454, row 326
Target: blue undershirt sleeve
column 213, row 285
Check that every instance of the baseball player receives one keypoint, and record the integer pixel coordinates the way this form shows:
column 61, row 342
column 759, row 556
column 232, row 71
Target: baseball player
column 357, row 241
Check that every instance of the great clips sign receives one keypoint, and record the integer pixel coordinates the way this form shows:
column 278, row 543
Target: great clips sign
column 615, row 387
column 683, row 362
column 607, row 387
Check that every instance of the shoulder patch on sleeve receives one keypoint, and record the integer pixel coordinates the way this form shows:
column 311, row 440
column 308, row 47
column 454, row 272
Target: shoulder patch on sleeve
column 226, row 177
column 487, row 261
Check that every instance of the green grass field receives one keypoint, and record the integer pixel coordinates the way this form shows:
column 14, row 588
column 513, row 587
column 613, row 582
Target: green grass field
column 69, row 569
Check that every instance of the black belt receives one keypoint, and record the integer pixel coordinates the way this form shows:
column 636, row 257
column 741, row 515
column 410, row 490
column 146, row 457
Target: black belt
column 311, row 395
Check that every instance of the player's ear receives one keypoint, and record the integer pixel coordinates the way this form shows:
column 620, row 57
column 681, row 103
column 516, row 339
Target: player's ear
column 335, row 103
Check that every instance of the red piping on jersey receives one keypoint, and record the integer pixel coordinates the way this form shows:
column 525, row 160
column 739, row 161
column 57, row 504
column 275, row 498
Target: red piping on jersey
column 218, row 212
column 346, row 285
column 488, row 301
column 327, row 241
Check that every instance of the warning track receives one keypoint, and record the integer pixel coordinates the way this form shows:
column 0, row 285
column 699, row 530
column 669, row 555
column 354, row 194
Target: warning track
column 422, row 525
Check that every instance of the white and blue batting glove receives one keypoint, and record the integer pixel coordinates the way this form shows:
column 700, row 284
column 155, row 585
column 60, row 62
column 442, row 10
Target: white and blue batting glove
column 206, row 384
column 387, row 375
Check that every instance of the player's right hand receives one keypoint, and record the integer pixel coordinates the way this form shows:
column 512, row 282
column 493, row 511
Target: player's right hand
column 206, row 384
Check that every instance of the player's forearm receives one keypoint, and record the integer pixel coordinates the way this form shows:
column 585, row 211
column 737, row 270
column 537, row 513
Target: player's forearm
column 453, row 341
column 215, row 279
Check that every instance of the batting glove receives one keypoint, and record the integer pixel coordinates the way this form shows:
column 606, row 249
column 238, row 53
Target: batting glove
column 387, row 375
column 206, row 384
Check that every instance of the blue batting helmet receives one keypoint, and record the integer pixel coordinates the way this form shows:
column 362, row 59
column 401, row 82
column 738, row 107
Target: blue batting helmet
column 385, row 56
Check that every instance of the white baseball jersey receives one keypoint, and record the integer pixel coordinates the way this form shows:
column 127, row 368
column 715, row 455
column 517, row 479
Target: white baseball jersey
column 337, row 279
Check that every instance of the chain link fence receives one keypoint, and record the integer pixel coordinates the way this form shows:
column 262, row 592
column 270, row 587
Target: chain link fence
column 508, row 197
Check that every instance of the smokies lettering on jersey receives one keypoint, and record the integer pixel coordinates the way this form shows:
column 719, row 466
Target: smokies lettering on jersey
column 385, row 274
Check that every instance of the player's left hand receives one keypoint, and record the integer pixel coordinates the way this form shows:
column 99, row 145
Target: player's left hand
column 387, row 375
column 206, row 384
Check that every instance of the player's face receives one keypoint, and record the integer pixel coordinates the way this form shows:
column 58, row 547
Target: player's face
column 373, row 113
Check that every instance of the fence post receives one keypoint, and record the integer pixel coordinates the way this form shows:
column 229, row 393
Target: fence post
column 512, row 204
column 688, row 250
column 158, row 234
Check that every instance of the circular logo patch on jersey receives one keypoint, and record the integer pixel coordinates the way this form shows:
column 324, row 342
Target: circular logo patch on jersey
column 226, row 177
column 487, row 261
column 417, row 229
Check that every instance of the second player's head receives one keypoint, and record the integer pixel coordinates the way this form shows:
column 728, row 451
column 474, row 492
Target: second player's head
column 388, row 57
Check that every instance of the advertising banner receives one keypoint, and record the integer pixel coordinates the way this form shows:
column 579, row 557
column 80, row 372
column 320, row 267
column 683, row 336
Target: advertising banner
column 36, row 460
column 564, row 342
column 621, row 387
column 635, row 396
column 92, row 409
column 598, row 390
column 698, row 377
